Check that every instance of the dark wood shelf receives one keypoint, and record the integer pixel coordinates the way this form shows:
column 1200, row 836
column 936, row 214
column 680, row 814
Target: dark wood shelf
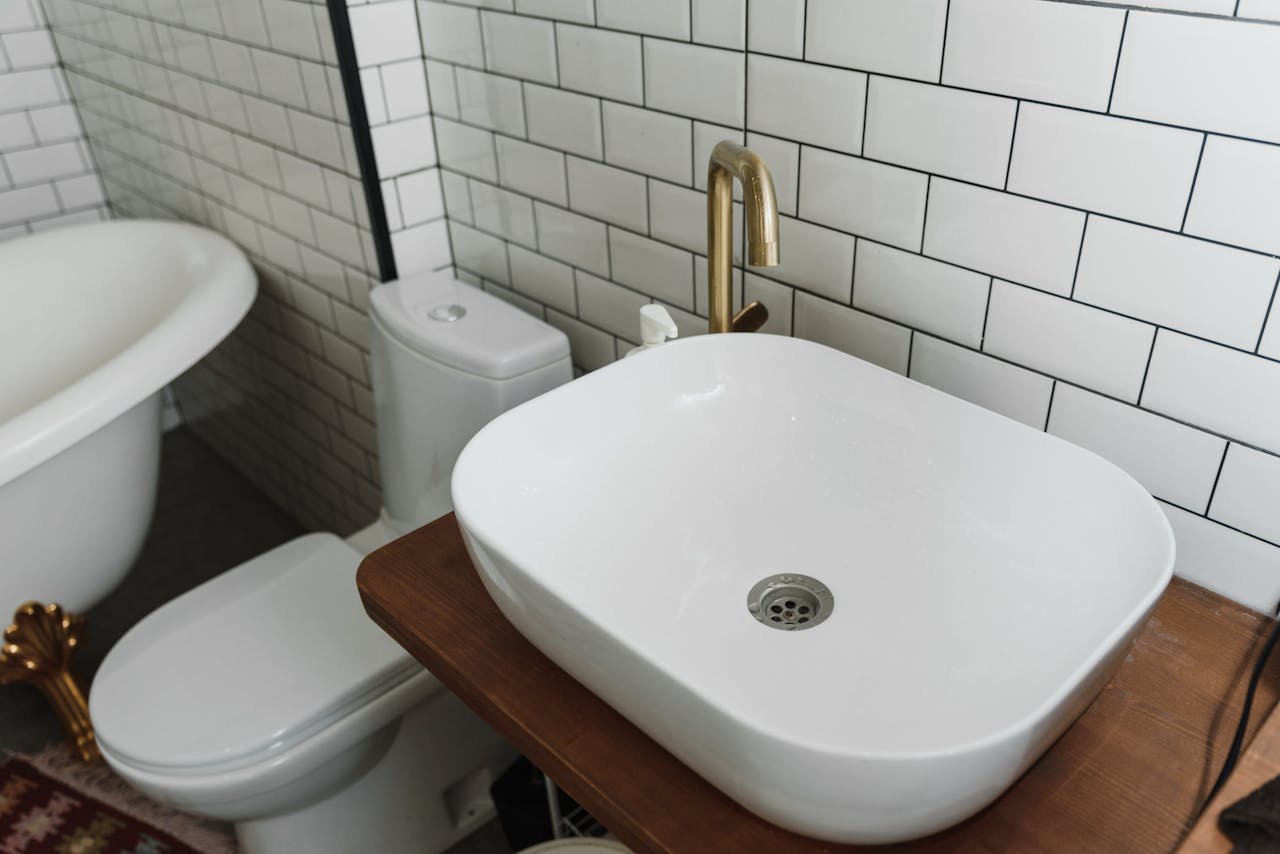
column 1128, row 776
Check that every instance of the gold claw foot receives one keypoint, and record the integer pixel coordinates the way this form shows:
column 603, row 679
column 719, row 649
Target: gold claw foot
column 37, row 649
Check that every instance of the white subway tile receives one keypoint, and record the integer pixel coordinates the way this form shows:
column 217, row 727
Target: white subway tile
column 421, row 198
column 899, row 37
column 869, row 338
column 668, row 18
column 543, row 279
column 579, row 11
column 609, row 306
column 503, row 212
column 80, row 191
column 1171, row 460
column 814, row 258
column 777, row 27
column 382, row 32
column 22, row 89
column 532, row 169
column 27, row 203
column 1208, row 290
column 604, row 192
column 17, row 16
column 564, row 120
column 403, row 146
column 1237, row 195
column 15, row 131
column 443, row 89
column 405, row 86
column 949, row 132
column 869, row 199
column 1226, row 562
column 451, row 33
column 701, row 82
column 30, row 49
column 920, row 292
column 572, row 238
column 649, row 142
column 519, row 46
column 466, row 149
column 480, row 253
column 601, row 62
column 1262, row 10
column 1128, row 169
column 457, row 196
column 1012, row 391
column 721, row 23
column 655, row 268
column 829, row 114
column 1029, row 242
column 1248, row 493
column 1220, row 389
column 421, row 247
column 783, row 159
column 1056, row 52
column 1068, row 340
column 1203, row 73
column 44, row 163
column 491, row 101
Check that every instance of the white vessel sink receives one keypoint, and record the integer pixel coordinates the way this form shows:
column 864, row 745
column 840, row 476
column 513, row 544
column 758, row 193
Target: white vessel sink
column 986, row 578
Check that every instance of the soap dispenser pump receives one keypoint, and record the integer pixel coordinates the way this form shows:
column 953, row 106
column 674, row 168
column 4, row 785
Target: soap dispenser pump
column 656, row 326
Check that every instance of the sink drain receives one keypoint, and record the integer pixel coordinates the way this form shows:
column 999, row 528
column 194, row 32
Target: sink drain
column 790, row 602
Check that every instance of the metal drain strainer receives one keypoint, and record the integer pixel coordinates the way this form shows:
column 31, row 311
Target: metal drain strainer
column 790, row 602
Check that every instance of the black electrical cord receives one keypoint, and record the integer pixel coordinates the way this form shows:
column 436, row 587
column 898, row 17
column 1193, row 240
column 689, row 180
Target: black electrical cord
column 1237, row 743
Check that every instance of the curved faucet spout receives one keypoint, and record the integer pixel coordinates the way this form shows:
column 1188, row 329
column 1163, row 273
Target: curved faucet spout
column 728, row 161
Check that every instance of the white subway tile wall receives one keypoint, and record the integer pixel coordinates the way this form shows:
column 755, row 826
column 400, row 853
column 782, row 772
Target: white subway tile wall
column 1005, row 199
column 233, row 115
column 47, row 173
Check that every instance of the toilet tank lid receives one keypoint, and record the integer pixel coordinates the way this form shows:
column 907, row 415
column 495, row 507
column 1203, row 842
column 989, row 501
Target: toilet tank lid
column 462, row 326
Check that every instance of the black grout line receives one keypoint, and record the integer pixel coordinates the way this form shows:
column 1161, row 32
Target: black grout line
column 1115, row 71
column 1217, row 478
column 1048, row 411
column 1146, row 372
column 866, row 112
column 1013, row 138
column 924, row 215
column 986, row 313
column 1075, row 275
column 1267, row 316
column 942, row 56
column 1191, row 191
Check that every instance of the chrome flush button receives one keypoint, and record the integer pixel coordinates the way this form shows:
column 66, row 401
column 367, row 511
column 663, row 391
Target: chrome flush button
column 447, row 313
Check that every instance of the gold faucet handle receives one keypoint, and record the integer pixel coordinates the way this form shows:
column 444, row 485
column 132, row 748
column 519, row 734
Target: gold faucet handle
column 750, row 318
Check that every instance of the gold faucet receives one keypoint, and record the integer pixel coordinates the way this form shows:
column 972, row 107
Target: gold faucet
column 730, row 160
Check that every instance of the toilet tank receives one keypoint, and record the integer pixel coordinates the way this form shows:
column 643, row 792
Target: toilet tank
column 447, row 359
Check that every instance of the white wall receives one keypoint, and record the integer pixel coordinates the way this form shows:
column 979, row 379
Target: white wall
column 1066, row 213
column 47, row 176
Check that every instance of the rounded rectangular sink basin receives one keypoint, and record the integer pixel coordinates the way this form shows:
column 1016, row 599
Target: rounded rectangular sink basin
column 970, row 583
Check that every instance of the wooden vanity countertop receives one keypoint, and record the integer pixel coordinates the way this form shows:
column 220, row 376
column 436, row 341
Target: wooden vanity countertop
column 1128, row 776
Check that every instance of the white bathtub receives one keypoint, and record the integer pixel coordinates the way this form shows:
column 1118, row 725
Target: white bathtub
column 94, row 321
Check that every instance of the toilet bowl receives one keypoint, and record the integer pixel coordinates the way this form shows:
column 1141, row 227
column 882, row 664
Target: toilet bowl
column 266, row 697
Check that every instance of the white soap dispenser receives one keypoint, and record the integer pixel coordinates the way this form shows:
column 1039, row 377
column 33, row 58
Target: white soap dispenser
column 656, row 326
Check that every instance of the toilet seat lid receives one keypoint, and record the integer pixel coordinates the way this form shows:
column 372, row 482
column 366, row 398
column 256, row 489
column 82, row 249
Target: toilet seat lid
column 246, row 665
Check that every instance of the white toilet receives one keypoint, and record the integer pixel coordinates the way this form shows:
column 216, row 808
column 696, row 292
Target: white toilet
column 266, row 697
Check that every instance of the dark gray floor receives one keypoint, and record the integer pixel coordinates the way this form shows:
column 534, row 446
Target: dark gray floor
column 208, row 519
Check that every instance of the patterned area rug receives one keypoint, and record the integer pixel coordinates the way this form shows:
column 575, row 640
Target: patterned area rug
column 90, row 811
